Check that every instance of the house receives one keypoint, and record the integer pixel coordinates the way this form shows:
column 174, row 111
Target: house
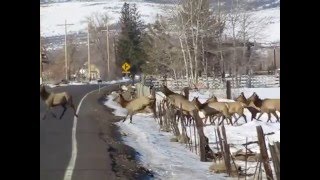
column 83, row 72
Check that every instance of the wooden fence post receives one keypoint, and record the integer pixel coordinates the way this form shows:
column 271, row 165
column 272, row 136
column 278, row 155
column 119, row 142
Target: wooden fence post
column 228, row 90
column 226, row 150
column 220, row 141
column 275, row 159
column 202, row 142
column 154, row 105
column 264, row 153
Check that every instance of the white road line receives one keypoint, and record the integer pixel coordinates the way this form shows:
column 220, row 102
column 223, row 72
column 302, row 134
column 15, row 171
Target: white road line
column 69, row 171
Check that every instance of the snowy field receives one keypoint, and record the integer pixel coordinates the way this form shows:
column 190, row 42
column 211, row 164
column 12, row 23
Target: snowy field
column 172, row 160
column 76, row 13
column 263, row 26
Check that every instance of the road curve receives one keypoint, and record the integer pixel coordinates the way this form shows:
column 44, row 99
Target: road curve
column 56, row 141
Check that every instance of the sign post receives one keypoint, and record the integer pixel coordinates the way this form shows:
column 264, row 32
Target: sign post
column 99, row 82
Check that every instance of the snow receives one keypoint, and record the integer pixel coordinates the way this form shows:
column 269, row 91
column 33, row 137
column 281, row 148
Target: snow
column 265, row 26
column 166, row 159
column 171, row 160
column 76, row 13
column 73, row 83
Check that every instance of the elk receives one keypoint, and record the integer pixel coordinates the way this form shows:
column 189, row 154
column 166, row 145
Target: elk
column 178, row 100
column 204, row 110
column 213, row 108
column 137, row 105
column 253, row 110
column 269, row 106
column 56, row 99
column 233, row 108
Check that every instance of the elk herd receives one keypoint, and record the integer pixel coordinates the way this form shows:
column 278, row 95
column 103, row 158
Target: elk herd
column 211, row 109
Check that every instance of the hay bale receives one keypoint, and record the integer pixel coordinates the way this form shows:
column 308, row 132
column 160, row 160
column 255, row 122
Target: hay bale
column 183, row 139
column 174, row 139
column 219, row 167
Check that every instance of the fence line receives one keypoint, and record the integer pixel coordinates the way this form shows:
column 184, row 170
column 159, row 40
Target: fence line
column 244, row 81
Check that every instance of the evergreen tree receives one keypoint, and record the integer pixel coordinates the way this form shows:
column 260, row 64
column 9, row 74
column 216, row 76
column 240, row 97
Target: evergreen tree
column 129, row 44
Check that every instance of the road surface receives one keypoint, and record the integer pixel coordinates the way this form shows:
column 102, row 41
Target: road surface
column 91, row 162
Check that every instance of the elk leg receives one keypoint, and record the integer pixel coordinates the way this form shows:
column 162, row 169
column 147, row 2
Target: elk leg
column 236, row 118
column 230, row 119
column 125, row 117
column 245, row 117
column 269, row 117
column 276, row 115
column 74, row 110
column 259, row 116
column 253, row 114
column 131, row 118
column 223, row 118
column 45, row 115
column 64, row 110
column 54, row 115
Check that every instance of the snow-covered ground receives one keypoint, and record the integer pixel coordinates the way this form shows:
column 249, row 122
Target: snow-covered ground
column 75, row 13
column 171, row 160
column 51, row 15
column 263, row 26
column 72, row 83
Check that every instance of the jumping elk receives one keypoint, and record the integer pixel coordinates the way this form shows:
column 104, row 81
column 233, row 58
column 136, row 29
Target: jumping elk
column 56, row 99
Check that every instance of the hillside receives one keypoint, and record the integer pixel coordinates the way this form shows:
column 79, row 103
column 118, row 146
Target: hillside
column 76, row 12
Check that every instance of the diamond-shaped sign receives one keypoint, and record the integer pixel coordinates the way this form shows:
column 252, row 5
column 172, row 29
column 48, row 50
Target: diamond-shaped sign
column 126, row 67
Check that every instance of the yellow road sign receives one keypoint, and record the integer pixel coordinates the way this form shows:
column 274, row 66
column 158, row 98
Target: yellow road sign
column 126, row 67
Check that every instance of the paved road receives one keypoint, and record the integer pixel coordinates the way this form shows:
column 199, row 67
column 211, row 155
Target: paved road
column 92, row 161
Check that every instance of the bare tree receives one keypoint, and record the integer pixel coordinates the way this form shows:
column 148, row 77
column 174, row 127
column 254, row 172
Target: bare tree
column 160, row 47
column 98, row 23
column 193, row 20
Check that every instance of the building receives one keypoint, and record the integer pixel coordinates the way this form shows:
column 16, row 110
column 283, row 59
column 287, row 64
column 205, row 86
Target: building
column 83, row 72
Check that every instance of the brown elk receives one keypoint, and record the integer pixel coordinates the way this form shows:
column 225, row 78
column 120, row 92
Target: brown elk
column 233, row 108
column 210, row 108
column 137, row 105
column 269, row 106
column 178, row 100
column 204, row 109
column 253, row 110
column 56, row 99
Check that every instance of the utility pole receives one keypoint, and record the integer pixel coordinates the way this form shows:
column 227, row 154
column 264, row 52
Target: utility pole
column 40, row 59
column 108, row 50
column 89, row 63
column 274, row 60
column 66, row 48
